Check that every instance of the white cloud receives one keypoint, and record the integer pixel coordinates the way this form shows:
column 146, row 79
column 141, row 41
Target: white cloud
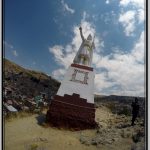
column 123, row 70
column 11, row 47
column 15, row 53
column 60, row 57
column 108, row 17
column 93, row 5
column 127, row 20
column 107, row 2
column 135, row 3
column 134, row 16
column 140, row 15
column 85, row 15
column 66, row 7
column 34, row 63
column 101, row 81
column 95, row 17
column 138, row 51
column 8, row 45
column 59, row 73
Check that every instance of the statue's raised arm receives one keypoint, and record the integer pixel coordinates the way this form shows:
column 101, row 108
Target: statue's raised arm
column 93, row 44
column 81, row 33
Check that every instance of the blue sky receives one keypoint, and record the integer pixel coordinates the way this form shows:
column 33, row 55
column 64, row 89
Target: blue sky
column 44, row 36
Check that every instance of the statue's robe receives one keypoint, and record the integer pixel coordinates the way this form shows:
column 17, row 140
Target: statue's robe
column 86, row 48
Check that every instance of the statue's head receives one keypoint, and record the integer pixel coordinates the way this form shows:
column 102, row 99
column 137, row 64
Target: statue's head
column 89, row 38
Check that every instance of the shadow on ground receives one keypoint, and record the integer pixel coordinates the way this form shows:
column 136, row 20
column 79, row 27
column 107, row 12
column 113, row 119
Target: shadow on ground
column 41, row 118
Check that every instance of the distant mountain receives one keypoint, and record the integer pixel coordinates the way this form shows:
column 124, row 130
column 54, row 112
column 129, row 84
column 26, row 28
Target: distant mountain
column 99, row 96
column 25, row 82
column 120, row 104
column 117, row 98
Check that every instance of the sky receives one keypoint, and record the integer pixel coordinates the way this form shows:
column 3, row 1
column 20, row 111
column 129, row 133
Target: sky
column 44, row 36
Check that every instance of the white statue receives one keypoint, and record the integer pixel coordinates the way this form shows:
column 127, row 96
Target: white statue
column 85, row 52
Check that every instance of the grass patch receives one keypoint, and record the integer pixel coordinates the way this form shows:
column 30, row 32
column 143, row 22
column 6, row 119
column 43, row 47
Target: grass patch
column 10, row 116
column 33, row 147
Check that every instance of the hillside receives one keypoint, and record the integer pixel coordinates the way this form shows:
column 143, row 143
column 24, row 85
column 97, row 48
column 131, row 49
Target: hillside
column 27, row 82
column 26, row 90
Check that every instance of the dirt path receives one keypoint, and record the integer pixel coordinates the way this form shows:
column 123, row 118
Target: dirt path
column 26, row 134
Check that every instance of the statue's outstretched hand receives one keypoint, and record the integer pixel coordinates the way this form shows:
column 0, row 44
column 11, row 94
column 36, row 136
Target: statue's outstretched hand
column 80, row 28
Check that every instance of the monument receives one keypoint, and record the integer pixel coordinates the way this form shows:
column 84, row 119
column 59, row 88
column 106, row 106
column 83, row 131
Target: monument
column 73, row 105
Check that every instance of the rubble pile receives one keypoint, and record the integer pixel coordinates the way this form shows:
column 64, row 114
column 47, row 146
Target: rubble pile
column 26, row 90
column 115, row 129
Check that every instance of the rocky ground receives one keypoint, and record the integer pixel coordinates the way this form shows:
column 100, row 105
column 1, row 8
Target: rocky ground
column 114, row 132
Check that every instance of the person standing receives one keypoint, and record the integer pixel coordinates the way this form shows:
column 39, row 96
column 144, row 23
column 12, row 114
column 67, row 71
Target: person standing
column 135, row 110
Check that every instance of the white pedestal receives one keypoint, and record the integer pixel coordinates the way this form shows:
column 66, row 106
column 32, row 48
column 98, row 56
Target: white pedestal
column 79, row 80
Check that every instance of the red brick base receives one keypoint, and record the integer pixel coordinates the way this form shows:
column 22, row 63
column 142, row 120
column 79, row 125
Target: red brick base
column 71, row 112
